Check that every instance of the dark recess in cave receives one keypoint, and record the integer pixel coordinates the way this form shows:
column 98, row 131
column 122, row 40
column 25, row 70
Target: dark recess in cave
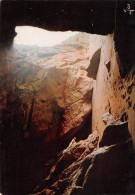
column 124, row 37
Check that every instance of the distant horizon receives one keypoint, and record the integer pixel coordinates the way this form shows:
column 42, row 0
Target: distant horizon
column 34, row 36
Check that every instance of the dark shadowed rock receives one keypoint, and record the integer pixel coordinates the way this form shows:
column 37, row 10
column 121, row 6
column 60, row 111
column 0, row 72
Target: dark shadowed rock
column 108, row 170
column 94, row 64
column 114, row 133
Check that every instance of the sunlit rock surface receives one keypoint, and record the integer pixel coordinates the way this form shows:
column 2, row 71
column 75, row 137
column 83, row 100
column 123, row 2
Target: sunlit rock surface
column 109, row 169
column 112, row 93
column 46, row 100
column 49, row 86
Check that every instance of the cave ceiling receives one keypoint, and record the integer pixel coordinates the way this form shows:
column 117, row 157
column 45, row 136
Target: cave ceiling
column 92, row 16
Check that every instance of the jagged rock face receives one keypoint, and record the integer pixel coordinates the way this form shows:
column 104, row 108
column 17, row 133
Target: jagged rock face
column 45, row 101
column 104, row 172
column 112, row 94
column 61, row 103
column 107, row 118
column 109, row 169
column 51, row 90
column 67, row 165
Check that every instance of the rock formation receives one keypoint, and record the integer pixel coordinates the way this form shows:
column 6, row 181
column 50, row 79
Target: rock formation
column 112, row 93
column 80, row 170
column 109, row 169
column 67, row 165
column 52, row 92
column 46, row 100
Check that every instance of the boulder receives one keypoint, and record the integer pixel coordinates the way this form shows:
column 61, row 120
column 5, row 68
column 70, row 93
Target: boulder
column 108, row 169
column 114, row 133
column 116, row 130
column 107, row 118
column 68, row 163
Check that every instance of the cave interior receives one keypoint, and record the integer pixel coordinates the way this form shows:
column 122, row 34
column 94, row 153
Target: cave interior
column 67, row 158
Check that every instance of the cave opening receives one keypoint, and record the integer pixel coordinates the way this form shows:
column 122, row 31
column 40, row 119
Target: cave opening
column 29, row 35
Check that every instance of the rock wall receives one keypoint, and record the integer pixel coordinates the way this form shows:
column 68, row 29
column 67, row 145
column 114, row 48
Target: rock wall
column 83, row 168
column 110, row 167
column 112, row 93
column 47, row 97
column 45, row 101
column 49, row 86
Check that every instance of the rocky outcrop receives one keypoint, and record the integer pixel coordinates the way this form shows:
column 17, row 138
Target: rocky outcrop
column 52, row 92
column 107, row 118
column 60, row 102
column 67, row 165
column 114, row 133
column 104, row 172
column 112, row 94
column 109, row 169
